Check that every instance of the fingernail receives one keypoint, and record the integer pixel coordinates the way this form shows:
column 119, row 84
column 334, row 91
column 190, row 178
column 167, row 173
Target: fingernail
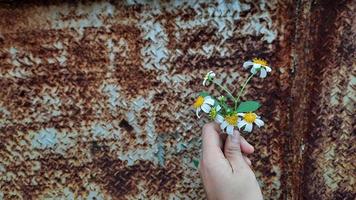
column 234, row 138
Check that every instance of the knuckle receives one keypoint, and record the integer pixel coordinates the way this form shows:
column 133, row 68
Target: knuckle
column 232, row 150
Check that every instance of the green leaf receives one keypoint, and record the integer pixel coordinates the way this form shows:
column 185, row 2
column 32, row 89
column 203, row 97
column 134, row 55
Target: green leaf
column 196, row 163
column 248, row 106
column 204, row 94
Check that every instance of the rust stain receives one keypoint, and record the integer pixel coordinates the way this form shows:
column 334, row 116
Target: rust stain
column 95, row 96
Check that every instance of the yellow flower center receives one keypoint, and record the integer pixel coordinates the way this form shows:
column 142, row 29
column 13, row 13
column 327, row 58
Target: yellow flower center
column 213, row 113
column 231, row 119
column 198, row 102
column 260, row 61
column 250, row 117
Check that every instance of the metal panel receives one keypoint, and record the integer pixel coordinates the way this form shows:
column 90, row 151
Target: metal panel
column 96, row 97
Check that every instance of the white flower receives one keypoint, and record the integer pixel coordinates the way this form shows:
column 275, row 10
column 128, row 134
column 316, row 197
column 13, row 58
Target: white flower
column 208, row 77
column 247, row 121
column 230, row 121
column 214, row 114
column 203, row 103
column 258, row 65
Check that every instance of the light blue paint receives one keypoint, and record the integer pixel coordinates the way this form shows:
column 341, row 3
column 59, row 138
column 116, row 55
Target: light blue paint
column 95, row 195
column 45, row 138
column 13, row 51
column 100, row 130
column 112, row 91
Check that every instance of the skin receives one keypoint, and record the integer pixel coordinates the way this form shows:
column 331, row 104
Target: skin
column 225, row 170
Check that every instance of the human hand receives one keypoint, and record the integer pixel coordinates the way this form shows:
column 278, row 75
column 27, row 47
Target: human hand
column 225, row 171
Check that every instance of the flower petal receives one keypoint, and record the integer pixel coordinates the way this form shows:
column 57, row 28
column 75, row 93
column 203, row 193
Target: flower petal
column 263, row 73
column 223, row 125
column 241, row 123
column 197, row 112
column 204, row 82
column 241, row 114
column 259, row 122
column 268, row 69
column 257, row 66
column 219, row 118
column 247, row 64
column 206, row 108
column 212, row 74
column 230, row 130
column 218, row 108
column 209, row 101
column 248, row 127
column 207, row 97
column 253, row 70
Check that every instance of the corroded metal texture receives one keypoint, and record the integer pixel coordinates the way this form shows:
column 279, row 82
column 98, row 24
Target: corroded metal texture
column 95, row 96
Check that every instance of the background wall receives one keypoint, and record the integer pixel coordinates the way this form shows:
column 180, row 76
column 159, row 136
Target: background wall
column 95, row 97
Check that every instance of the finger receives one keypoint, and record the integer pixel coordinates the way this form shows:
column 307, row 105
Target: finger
column 246, row 147
column 212, row 142
column 248, row 161
column 232, row 151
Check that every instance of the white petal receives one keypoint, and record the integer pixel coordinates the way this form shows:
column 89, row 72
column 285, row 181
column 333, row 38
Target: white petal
column 197, row 112
column 219, row 118
column 259, row 122
column 212, row 74
column 209, row 101
column 253, row 70
column 230, row 130
column 207, row 97
column 263, row 73
column 241, row 114
column 204, row 82
column 257, row 66
column 247, row 64
column 248, row 127
column 241, row 123
column 268, row 69
column 206, row 108
column 218, row 108
column 223, row 125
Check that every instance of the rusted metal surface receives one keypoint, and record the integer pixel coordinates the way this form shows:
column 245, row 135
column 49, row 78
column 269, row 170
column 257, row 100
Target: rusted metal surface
column 328, row 164
column 95, row 96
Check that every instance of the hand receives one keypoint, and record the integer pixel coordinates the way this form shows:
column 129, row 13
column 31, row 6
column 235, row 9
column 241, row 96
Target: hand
column 226, row 173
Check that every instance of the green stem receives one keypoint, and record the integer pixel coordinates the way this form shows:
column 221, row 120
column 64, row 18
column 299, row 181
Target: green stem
column 243, row 88
column 226, row 90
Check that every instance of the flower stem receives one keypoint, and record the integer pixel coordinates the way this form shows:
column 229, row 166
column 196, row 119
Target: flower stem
column 226, row 90
column 243, row 88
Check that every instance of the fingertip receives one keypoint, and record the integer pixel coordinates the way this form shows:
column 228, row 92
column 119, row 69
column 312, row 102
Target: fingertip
column 210, row 132
column 209, row 127
column 246, row 147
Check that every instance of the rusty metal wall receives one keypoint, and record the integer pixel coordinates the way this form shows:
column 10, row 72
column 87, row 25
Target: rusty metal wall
column 95, row 97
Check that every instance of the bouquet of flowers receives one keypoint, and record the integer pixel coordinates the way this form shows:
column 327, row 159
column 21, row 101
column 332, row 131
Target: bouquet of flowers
column 228, row 110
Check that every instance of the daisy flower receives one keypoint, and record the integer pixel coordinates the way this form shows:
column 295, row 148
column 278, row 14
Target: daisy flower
column 230, row 121
column 258, row 65
column 214, row 114
column 208, row 77
column 203, row 103
column 247, row 121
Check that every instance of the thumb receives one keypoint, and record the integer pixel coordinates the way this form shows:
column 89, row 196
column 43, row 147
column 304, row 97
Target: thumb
column 232, row 151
